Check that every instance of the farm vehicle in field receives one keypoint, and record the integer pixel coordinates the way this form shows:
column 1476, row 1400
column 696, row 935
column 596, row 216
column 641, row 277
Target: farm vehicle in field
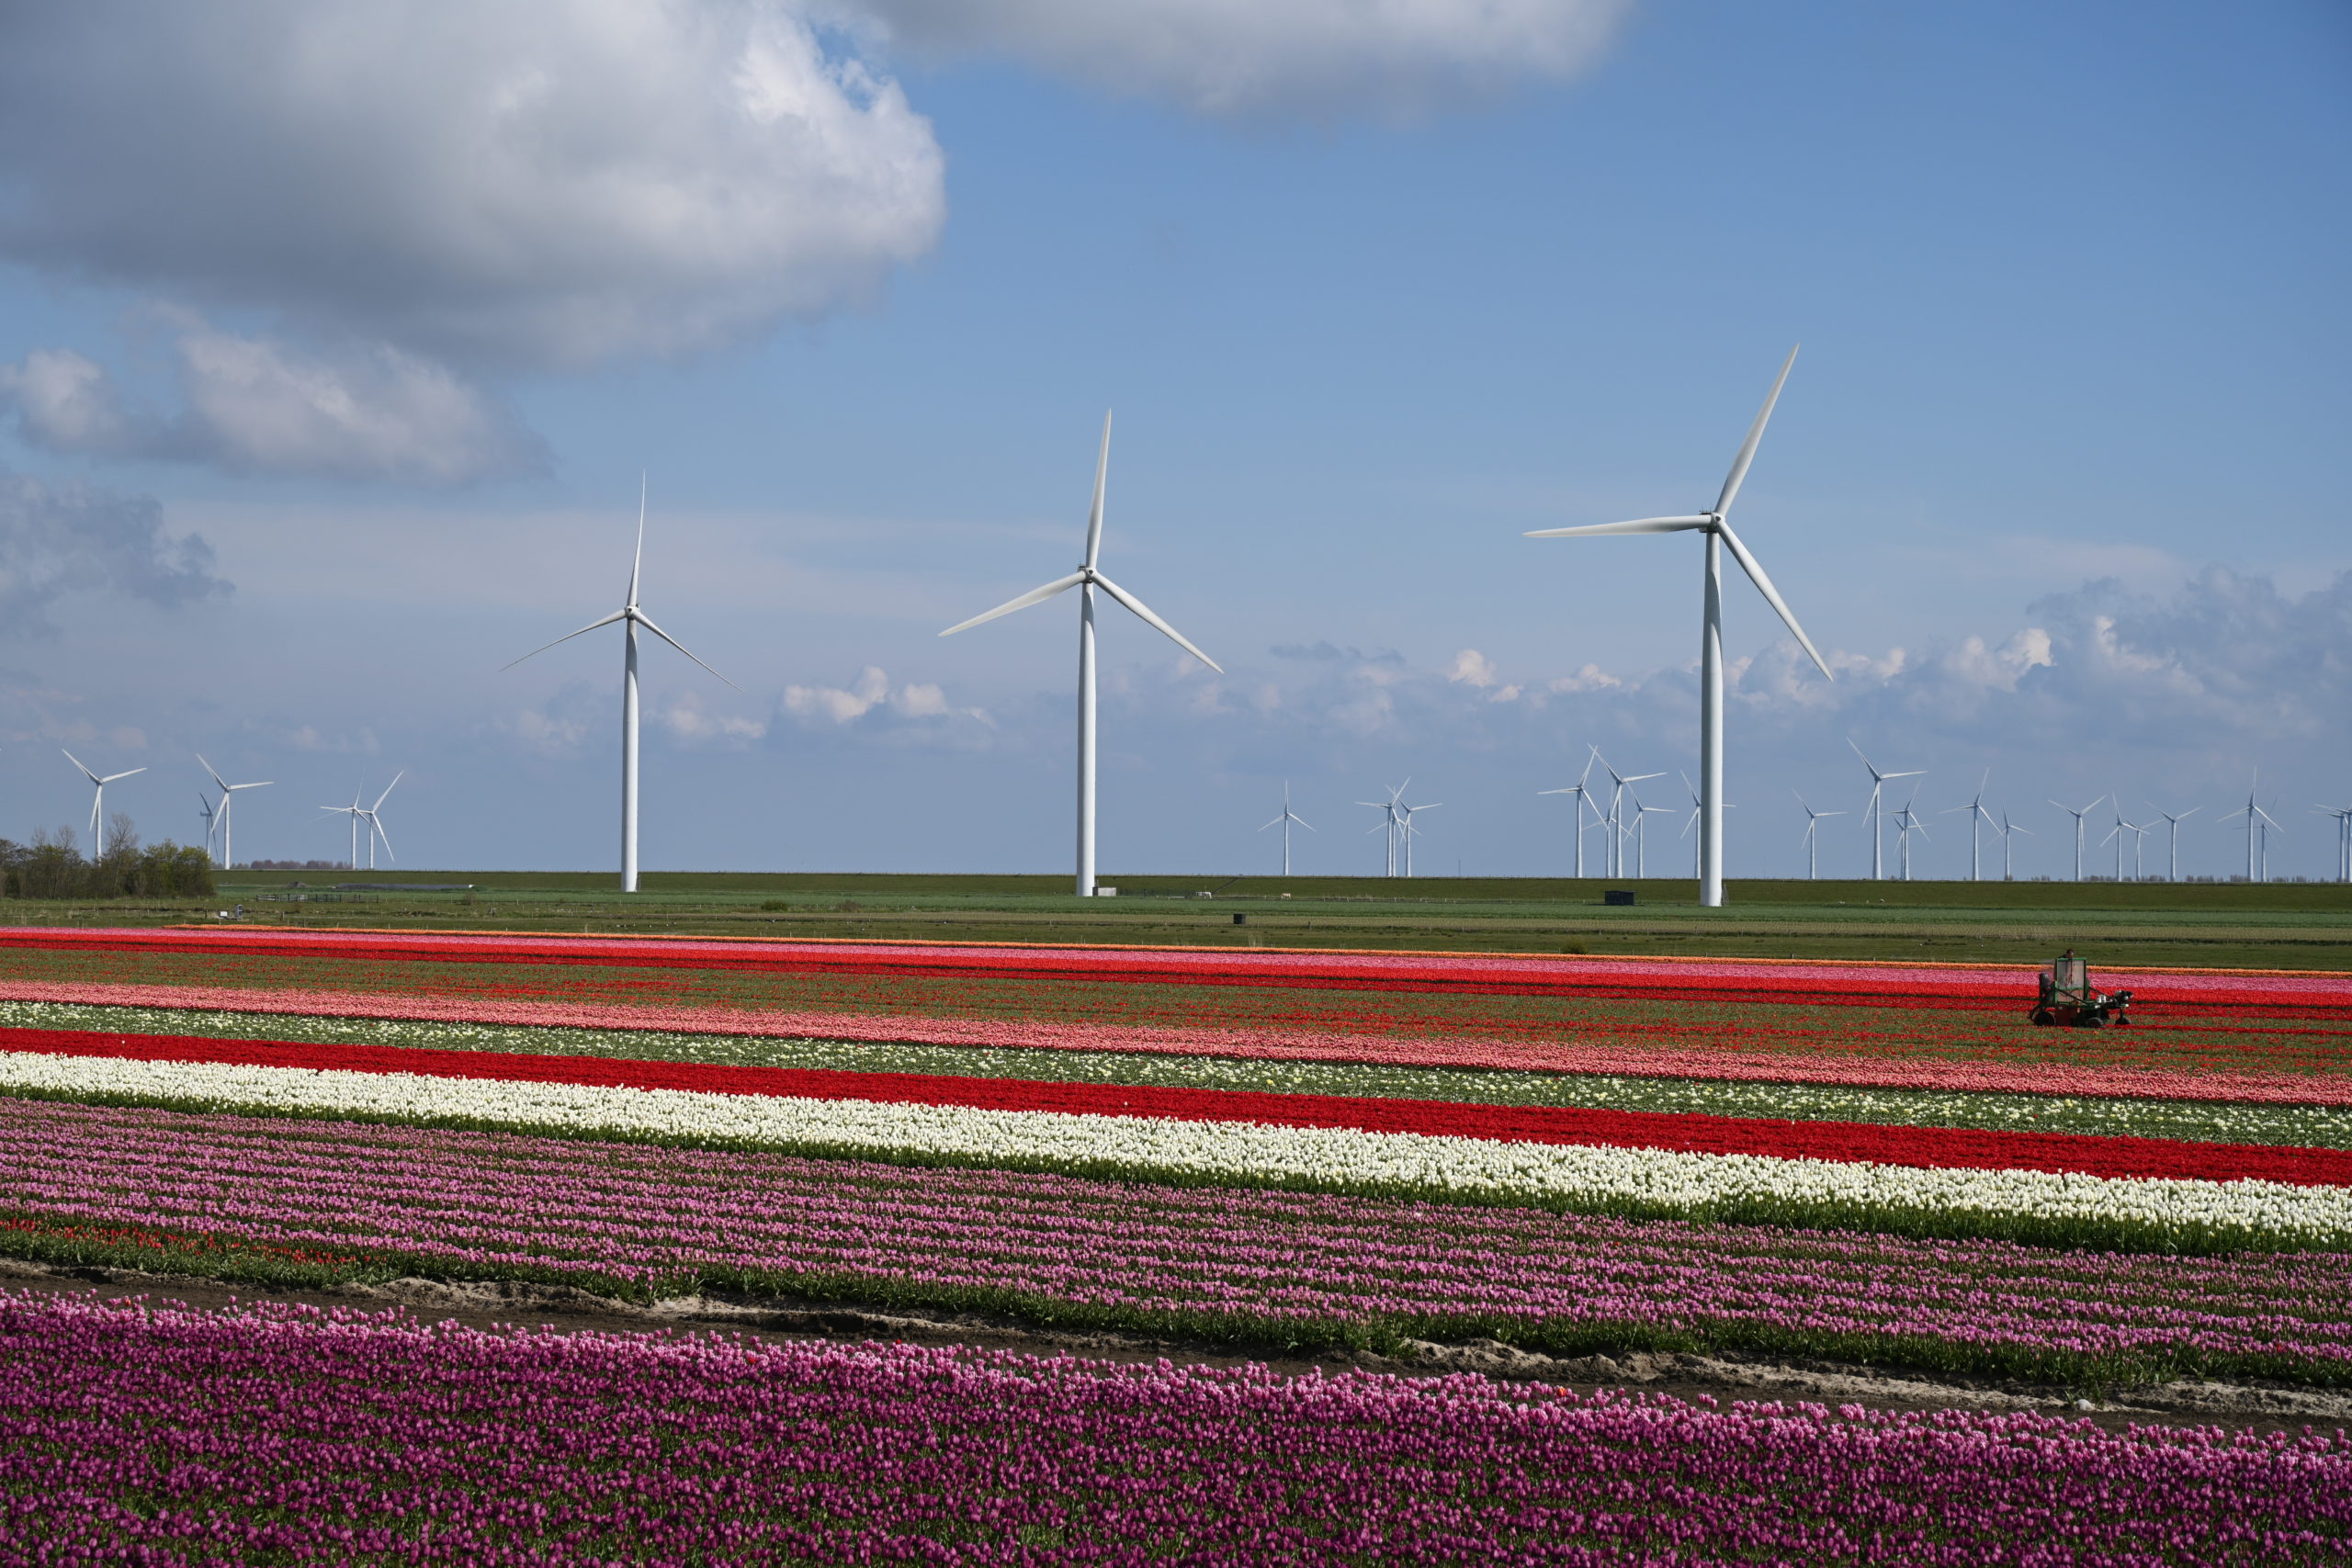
column 2069, row 1000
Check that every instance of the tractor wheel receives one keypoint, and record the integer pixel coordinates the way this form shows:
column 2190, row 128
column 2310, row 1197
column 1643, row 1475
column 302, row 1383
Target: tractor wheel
column 2091, row 1020
column 2040, row 1017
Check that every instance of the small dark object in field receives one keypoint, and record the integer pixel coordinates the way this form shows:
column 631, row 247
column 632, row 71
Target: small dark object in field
column 1618, row 895
column 2068, row 999
column 774, row 905
column 1240, row 920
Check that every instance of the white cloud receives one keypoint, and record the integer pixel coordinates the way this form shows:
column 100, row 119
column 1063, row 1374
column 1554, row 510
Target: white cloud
column 872, row 691
column 550, row 184
column 1253, row 59
column 253, row 405
column 1471, row 668
column 686, row 720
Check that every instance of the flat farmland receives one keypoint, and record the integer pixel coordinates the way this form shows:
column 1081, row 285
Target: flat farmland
column 1040, row 1252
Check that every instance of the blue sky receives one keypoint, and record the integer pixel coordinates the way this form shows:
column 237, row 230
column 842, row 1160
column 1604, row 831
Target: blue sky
column 392, row 319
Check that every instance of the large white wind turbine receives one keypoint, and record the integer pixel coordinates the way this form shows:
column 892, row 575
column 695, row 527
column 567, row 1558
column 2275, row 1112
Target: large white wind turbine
column 1871, row 812
column 2172, row 848
column 1714, row 524
column 227, row 811
column 1811, row 839
column 358, row 813
column 1977, row 818
column 2343, row 815
column 1283, row 822
column 1405, row 829
column 1582, row 794
column 631, row 618
column 98, row 800
column 1086, row 579
column 2078, row 817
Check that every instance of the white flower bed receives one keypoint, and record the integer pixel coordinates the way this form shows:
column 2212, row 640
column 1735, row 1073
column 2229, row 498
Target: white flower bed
column 2140, row 1212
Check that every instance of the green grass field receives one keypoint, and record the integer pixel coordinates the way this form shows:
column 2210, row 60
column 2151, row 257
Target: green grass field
column 2272, row 925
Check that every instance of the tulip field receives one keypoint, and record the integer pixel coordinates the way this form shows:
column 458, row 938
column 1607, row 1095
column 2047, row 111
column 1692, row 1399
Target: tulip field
column 1850, row 1163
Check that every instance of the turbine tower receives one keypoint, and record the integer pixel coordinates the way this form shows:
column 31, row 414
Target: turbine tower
column 1582, row 795
column 2078, row 817
column 356, row 812
column 1715, row 524
column 1387, row 824
column 631, row 618
column 2343, row 815
column 1812, row 842
column 1977, row 818
column 1405, row 829
column 2172, row 848
column 98, row 800
column 1614, row 861
column 226, row 815
column 1906, row 822
column 1283, row 822
column 205, row 809
column 1871, row 812
column 1086, row 579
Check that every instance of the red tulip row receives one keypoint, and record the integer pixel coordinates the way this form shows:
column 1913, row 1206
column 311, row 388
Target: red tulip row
column 1853, row 1142
column 1825, row 984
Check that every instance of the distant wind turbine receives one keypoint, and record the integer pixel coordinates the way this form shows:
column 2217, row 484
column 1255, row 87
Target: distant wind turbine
column 1618, row 831
column 2343, row 815
column 1977, row 818
column 1388, row 826
column 98, row 800
column 1871, row 812
column 630, row 617
column 1283, row 822
column 358, row 813
column 1405, row 829
column 1715, row 523
column 1642, row 814
column 2258, row 824
column 204, row 808
column 1086, row 579
column 1906, row 822
column 2008, row 828
column 1583, row 795
column 2172, row 847
column 228, row 815
column 376, row 821
column 2115, row 834
column 1692, row 820
column 2078, row 817
column 1812, row 840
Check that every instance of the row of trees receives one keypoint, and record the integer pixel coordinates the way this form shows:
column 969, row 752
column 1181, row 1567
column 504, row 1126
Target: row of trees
column 53, row 866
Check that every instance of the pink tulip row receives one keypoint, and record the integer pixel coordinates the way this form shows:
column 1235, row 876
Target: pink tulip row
column 1267, row 1045
column 288, row 1434
column 669, row 1221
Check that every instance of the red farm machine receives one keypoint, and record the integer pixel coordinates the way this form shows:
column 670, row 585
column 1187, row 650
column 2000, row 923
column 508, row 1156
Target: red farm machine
column 2069, row 1000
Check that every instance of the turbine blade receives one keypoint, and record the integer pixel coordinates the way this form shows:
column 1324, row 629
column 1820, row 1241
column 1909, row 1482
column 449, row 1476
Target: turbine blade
column 111, row 777
column 1094, row 514
column 1140, row 608
column 1755, row 570
column 645, row 621
column 608, row 620
column 387, row 789
column 377, row 828
column 1638, row 526
column 636, row 562
column 1755, row 435
column 213, row 771
column 79, row 763
column 1034, row 596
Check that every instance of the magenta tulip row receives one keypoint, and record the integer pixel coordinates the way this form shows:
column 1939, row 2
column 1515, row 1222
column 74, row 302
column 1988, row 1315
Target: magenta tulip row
column 287, row 1435
column 663, row 1221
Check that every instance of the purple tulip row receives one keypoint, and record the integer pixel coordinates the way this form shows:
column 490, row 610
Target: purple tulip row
column 288, row 1434
column 652, row 1220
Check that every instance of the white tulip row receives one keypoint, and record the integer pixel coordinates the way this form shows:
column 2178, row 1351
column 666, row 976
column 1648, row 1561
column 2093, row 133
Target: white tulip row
column 2139, row 1210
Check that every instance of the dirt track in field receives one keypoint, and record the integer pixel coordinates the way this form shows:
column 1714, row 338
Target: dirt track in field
column 1690, row 1378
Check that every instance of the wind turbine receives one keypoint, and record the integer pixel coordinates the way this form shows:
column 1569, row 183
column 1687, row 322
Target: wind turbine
column 2172, row 848
column 2343, row 815
column 2258, row 824
column 228, row 815
column 1086, row 579
column 2008, row 828
column 1906, row 822
column 1715, row 524
column 1387, row 824
column 1812, row 843
column 1871, row 812
column 1405, row 829
column 2121, row 827
column 2078, row 817
column 1691, row 820
column 1978, row 817
column 376, row 823
column 356, row 812
column 1616, row 857
column 204, row 808
column 631, row 618
column 1283, row 822
column 1582, row 795
column 98, row 800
